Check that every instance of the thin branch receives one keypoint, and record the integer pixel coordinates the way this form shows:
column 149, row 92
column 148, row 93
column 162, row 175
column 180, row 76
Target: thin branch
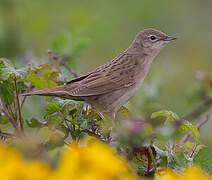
column 6, row 135
column 62, row 63
column 12, row 121
column 19, row 107
column 9, row 108
column 15, row 109
column 24, row 98
column 189, row 133
column 197, row 112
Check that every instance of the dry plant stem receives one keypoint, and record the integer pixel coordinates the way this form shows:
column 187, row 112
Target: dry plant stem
column 62, row 63
column 19, row 107
column 189, row 133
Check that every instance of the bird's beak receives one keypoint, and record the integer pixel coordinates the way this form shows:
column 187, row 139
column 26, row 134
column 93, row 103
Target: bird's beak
column 169, row 38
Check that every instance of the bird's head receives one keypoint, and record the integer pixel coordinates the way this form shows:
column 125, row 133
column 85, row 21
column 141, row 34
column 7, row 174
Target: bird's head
column 150, row 41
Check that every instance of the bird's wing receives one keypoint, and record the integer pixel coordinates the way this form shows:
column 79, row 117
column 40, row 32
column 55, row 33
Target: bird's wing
column 118, row 73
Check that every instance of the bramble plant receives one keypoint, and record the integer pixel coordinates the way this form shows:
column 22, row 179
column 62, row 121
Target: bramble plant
column 137, row 148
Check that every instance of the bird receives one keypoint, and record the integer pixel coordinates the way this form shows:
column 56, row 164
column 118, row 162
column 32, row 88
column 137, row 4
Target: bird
column 111, row 85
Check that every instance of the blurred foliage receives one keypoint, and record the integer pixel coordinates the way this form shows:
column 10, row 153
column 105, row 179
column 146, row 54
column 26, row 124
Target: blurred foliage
column 148, row 132
column 147, row 146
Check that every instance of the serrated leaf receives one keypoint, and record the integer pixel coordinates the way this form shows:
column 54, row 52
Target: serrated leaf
column 170, row 116
column 7, row 70
column 52, row 108
column 34, row 123
column 204, row 159
column 7, row 91
column 187, row 126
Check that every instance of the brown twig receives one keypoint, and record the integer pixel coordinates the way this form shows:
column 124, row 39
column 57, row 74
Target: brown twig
column 62, row 63
column 189, row 133
column 19, row 107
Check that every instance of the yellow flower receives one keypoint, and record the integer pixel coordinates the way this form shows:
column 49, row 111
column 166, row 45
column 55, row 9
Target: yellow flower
column 191, row 173
column 13, row 167
column 97, row 161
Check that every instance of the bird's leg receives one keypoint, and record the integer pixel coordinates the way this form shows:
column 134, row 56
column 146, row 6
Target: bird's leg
column 99, row 113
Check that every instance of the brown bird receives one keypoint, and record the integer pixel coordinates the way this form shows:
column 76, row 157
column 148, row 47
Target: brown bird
column 111, row 85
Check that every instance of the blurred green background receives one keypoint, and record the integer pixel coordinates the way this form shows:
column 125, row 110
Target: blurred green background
column 29, row 27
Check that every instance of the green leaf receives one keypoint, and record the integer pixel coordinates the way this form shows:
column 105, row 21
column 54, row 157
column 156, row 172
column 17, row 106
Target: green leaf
column 7, row 70
column 21, row 87
column 64, row 102
column 204, row 159
column 178, row 161
column 170, row 116
column 7, row 91
column 85, row 125
column 72, row 111
column 36, row 81
column 54, row 121
column 3, row 119
column 123, row 112
column 52, row 108
column 34, row 123
column 187, row 126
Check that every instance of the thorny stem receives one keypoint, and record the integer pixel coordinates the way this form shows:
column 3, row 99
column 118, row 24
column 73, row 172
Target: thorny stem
column 18, row 104
column 62, row 63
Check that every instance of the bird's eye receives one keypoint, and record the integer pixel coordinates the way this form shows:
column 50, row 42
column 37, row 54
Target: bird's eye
column 153, row 38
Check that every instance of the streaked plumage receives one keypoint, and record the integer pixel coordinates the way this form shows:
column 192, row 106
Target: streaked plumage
column 111, row 85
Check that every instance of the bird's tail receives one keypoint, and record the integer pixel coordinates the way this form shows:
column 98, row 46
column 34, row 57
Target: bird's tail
column 59, row 91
